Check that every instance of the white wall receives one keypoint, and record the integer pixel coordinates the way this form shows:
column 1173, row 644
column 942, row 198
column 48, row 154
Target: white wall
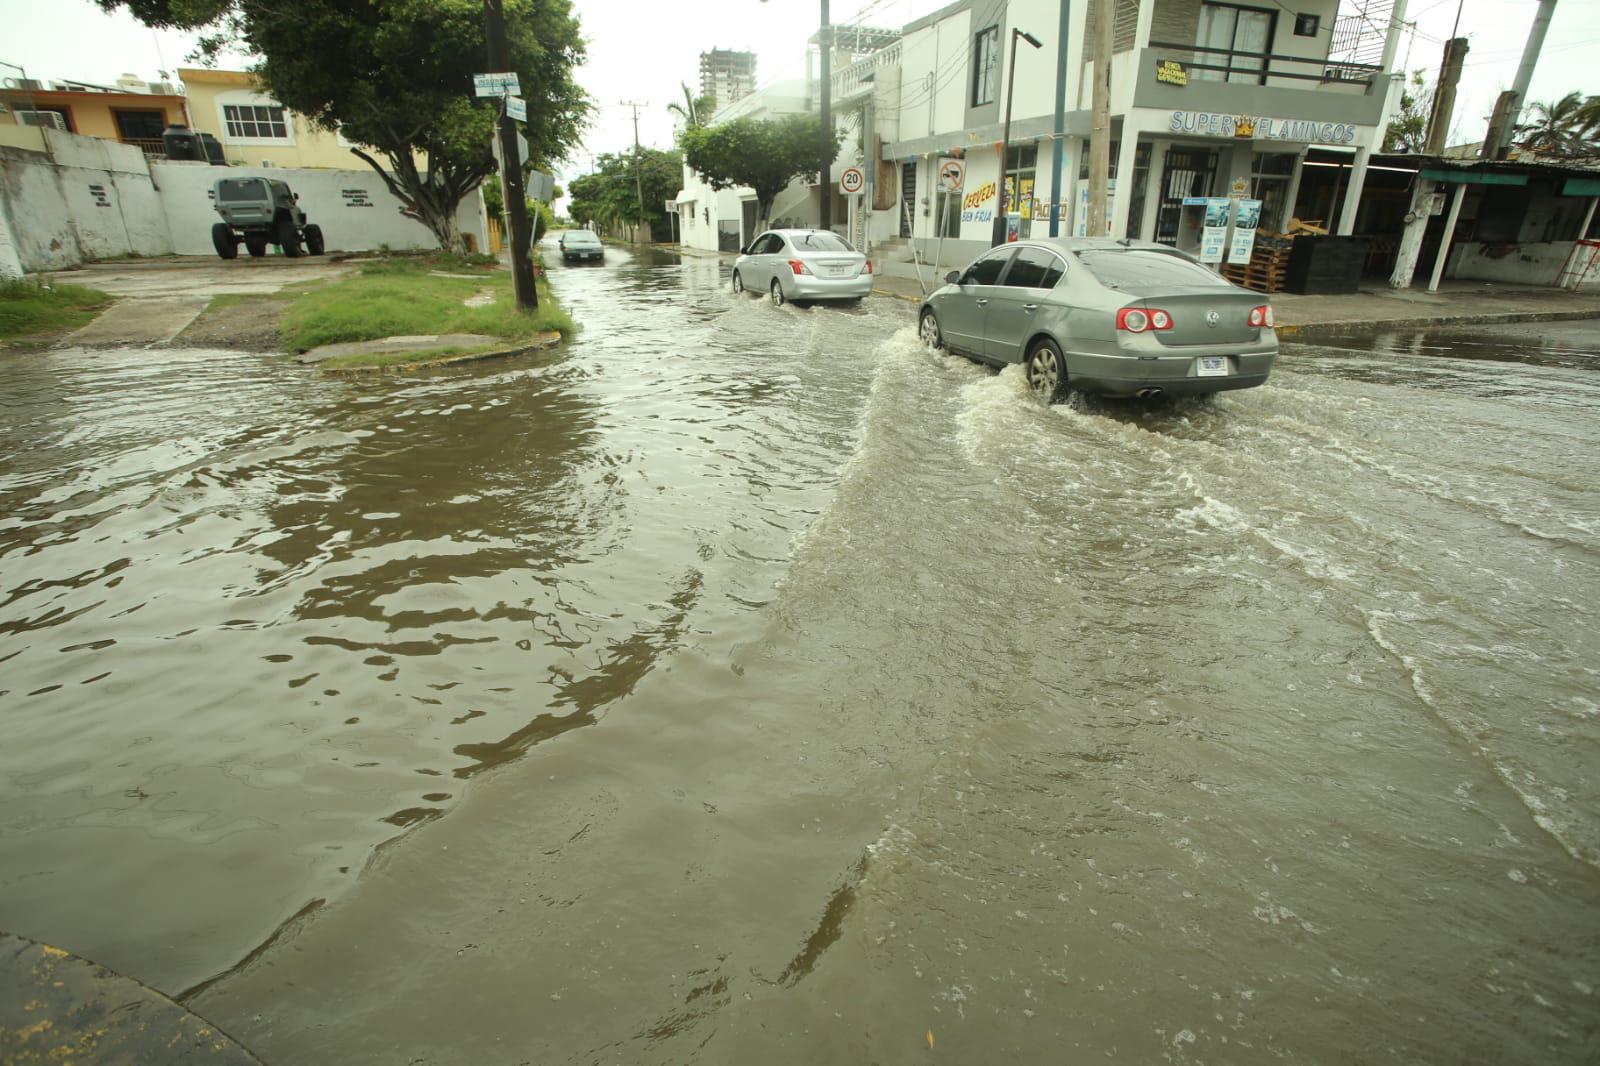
column 1531, row 263
column 354, row 208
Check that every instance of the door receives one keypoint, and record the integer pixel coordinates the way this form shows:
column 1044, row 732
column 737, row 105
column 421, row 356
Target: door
column 1188, row 172
column 761, row 261
column 1014, row 303
column 908, row 197
column 1239, row 38
column 962, row 316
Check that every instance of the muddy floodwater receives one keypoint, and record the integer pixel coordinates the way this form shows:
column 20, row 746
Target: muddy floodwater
column 743, row 684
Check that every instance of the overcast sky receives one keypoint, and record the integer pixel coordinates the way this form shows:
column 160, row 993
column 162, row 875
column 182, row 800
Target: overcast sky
column 641, row 51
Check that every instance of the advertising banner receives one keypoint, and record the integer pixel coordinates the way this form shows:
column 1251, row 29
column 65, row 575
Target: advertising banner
column 1214, row 235
column 1243, row 241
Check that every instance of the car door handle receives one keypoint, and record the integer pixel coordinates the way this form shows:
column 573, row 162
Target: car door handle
column 1030, row 307
column 980, row 301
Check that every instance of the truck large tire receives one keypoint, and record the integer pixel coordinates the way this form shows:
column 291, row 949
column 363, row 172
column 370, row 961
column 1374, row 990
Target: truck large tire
column 288, row 238
column 314, row 244
column 256, row 246
column 222, row 240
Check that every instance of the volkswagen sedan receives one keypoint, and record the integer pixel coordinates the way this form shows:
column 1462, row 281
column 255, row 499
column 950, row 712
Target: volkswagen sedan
column 802, row 264
column 1121, row 318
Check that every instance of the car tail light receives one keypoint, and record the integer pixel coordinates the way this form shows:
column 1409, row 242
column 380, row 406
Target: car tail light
column 866, row 268
column 798, row 267
column 1141, row 320
column 1261, row 317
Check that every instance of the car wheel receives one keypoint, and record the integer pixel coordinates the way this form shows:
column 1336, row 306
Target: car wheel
column 928, row 331
column 777, row 293
column 256, row 246
column 288, row 239
column 1047, row 372
column 314, row 245
column 222, row 240
column 738, row 284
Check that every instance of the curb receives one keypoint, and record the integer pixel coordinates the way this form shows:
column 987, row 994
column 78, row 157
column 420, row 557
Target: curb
column 541, row 344
column 1313, row 330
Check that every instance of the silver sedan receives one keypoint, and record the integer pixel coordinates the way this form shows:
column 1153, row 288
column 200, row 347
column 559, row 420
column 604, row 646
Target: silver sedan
column 1123, row 318
column 802, row 264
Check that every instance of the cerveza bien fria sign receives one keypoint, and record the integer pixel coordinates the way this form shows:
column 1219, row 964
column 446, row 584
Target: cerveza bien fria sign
column 1211, row 124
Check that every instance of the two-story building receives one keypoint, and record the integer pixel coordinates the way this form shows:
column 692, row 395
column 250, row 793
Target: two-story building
column 1206, row 99
column 255, row 129
column 132, row 112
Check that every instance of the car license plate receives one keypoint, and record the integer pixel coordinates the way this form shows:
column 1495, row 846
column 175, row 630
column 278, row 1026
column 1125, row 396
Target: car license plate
column 1212, row 366
column 838, row 271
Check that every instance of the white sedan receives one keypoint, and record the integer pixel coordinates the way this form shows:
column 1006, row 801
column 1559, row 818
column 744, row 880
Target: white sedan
column 802, row 264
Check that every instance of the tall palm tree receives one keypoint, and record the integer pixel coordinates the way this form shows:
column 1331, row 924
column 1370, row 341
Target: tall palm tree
column 1562, row 129
column 695, row 110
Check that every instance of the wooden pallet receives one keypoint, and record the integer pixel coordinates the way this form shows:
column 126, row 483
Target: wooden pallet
column 1267, row 270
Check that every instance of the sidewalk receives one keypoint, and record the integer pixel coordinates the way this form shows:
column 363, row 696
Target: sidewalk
column 1456, row 303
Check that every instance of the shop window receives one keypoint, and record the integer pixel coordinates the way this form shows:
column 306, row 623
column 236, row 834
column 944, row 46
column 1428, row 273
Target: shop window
column 985, row 66
column 1270, row 173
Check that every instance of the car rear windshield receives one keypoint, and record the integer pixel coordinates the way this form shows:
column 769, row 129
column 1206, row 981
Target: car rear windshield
column 241, row 189
column 1126, row 268
column 583, row 237
column 820, row 242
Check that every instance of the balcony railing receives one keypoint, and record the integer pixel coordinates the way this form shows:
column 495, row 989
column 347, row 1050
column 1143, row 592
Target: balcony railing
column 858, row 76
column 152, row 147
column 1258, row 67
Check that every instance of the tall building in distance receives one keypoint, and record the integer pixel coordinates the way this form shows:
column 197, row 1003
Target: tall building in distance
column 726, row 75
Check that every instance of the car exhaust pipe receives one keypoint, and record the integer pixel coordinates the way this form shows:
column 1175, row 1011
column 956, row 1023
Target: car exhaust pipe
column 1149, row 394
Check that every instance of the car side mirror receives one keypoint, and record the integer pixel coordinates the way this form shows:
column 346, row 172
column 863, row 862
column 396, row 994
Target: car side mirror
column 953, row 278
column 296, row 197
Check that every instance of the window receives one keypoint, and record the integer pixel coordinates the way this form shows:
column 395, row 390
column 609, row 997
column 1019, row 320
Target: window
column 140, row 125
column 1142, row 267
column 771, row 244
column 1306, row 25
column 986, row 271
column 821, row 242
column 985, row 66
column 241, row 189
column 1236, row 40
column 255, row 121
column 1035, row 268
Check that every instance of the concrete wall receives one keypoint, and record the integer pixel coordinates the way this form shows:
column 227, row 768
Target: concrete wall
column 354, row 208
column 1532, row 263
column 95, row 199
column 87, row 199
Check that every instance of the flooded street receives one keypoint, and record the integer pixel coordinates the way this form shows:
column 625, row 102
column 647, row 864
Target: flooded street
column 748, row 684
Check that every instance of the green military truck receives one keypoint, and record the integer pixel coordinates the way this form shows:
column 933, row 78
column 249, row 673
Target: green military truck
column 257, row 212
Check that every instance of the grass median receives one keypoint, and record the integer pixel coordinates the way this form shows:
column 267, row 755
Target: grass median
column 30, row 310
column 420, row 295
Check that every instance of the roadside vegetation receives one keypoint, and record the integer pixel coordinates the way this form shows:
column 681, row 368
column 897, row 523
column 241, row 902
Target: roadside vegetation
column 29, row 309
column 407, row 296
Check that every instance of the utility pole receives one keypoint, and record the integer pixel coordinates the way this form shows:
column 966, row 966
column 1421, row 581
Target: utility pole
column 1100, row 130
column 1061, row 119
column 1444, row 99
column 998, row 231
column 638, row 180
column 825, row 43
column 1509, row 108
column 499, row 55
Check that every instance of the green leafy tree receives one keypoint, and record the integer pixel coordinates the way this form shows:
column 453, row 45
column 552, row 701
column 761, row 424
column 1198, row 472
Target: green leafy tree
column 395, row 77
column 1562, row 129
column 609, row 197
column 1408, row 131
column 763, row 154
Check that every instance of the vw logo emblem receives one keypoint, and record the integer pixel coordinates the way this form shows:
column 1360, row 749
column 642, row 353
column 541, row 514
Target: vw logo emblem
column 1212, row 318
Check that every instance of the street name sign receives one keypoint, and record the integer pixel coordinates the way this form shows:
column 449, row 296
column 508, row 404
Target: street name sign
column 853, row 180
column 517, row 108
column 499, row 84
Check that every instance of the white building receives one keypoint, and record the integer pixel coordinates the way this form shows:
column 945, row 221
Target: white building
column 1206, row 98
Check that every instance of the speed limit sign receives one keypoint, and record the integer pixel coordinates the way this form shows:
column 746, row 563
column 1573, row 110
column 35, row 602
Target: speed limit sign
column 853, row 180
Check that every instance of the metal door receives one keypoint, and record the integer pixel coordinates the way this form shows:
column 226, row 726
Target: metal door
column 908, row 196
column 1188, row 172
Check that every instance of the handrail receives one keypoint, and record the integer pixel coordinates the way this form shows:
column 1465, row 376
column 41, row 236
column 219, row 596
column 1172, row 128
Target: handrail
column 853, row 77
column 1332, row 70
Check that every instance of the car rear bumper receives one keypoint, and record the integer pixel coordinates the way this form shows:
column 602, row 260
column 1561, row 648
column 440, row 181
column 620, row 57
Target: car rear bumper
column 810, row 287
column 1174, row 375
column 583, row 253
